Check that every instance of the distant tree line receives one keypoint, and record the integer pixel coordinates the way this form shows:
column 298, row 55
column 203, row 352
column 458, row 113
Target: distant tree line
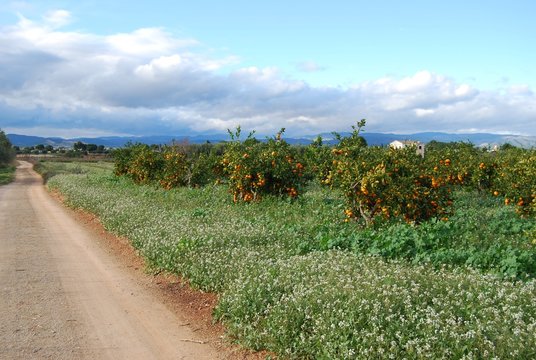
column 89, row 148
column 78, row 149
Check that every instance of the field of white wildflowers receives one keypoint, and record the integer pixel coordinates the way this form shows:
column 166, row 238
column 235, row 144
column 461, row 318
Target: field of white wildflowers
column 283, row 290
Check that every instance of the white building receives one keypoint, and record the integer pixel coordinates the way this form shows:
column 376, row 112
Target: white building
column 397, row 144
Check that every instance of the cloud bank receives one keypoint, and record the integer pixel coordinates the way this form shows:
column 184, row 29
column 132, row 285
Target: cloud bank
column 149, row 81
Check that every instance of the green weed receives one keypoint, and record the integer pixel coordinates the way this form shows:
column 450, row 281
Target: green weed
column 7, row 174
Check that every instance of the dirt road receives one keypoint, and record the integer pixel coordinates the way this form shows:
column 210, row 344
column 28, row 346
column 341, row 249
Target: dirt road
column 63, row 297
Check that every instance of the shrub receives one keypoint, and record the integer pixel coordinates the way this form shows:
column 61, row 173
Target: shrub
column 170, row 166
column 319, row 161
column 7, row 153
column 386, row 183
column 466, row 165
column 122, row 160
column 255, row 169
column 175, row 168
column 140, row 162
column 516, row 180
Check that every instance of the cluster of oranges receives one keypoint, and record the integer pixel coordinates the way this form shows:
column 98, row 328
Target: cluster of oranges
column 256, row 169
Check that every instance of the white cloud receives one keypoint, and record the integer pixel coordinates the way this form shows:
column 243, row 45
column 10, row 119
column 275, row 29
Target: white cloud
column 162, row 64
column 147, row 42
column 151, row 82
column 424, row 112
column 306, row 120
column 57, row 18
column 462, row 90
column 418, row 82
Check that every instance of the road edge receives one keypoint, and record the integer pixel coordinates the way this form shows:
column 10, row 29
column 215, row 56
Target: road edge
column 175, row 293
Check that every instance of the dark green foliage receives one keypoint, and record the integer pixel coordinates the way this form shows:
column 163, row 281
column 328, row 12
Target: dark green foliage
column 7, row 153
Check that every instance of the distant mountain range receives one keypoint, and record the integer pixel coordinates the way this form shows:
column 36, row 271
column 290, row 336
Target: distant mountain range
column 481, row 139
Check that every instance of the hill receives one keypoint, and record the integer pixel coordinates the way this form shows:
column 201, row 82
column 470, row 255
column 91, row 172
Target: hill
column 479, row 139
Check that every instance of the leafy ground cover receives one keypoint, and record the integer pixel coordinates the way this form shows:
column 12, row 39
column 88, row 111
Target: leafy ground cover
column 295, row 281
column 7, row 174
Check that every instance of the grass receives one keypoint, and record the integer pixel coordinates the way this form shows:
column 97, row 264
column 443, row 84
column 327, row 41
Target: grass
column 7, row 174
column 50, row 168
column 295, row 279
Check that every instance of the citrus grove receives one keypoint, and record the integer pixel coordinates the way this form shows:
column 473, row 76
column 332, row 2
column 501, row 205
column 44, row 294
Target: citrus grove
column 379, row 183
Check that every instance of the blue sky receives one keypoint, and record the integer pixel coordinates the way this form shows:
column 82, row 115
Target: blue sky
column 160, row 67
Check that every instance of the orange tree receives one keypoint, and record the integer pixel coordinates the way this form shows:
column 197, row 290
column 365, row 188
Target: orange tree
column 205, row 168
column 140, row 162
column 122, row 159
column 318, row 159
column 255, row 168
column 509, row 172
column 171, row 166
column 386, row 183
column 516, row 180
column 146, row 165
column 205, row 165
column 175, row 168
column 190, row 165
column 462, row 164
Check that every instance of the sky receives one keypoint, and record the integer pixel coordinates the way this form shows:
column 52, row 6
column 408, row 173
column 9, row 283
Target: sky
column 102, row 68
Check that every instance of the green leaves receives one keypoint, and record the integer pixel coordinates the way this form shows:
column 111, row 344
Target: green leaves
column 255, row 169
column 7, row 153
